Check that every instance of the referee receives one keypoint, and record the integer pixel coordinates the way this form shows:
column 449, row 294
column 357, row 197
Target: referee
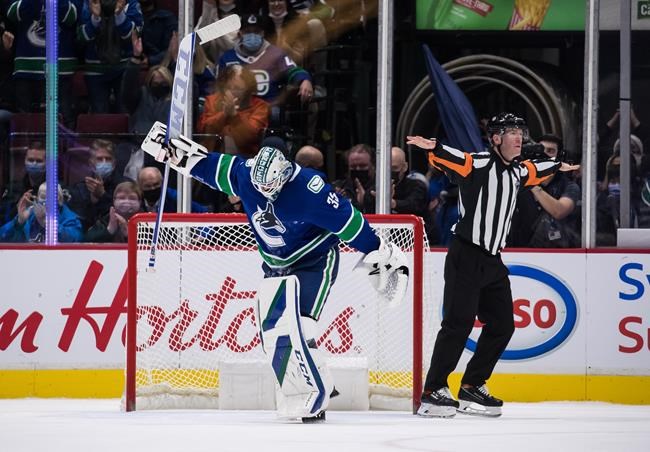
column 476, row 280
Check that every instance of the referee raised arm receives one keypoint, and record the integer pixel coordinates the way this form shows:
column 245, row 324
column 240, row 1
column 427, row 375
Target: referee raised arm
column 476, row 280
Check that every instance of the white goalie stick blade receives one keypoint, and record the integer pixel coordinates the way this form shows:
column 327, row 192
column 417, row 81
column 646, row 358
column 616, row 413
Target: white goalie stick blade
column 219, row 28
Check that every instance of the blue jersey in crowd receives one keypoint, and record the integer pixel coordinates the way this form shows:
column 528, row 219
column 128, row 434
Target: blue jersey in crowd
column 306, row 220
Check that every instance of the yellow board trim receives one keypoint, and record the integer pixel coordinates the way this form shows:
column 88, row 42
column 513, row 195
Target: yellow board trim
column 109, row 383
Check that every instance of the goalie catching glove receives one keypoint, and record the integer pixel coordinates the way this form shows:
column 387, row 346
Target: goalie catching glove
column 387, row 270
column 181, row 153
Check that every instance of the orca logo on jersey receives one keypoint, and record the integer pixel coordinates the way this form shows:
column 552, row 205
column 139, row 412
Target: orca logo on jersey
column 265, row 221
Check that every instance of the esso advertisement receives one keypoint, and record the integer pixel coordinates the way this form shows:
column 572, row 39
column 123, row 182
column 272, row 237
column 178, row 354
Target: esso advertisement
column 545, row 313
column 621, row 284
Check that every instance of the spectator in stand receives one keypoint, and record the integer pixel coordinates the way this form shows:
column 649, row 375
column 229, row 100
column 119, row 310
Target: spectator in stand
column 113, row 226
column 7, row 97
column 409, row 195
column 443, row 207
column 106, row 34
column 610, row 133
column 145, row 104
column 150, row 183
column 608, row 200
column 543, row 216
column 297, row 27
column 286, row 29
column 29, row 64
column 91, row 198
column 311, row 157
column 214, row 10
column 29, row 223
column 33, row 178
column 235, row 113
column 447, row 214
column 159, row 25
column 360, row 177
column 272, row 67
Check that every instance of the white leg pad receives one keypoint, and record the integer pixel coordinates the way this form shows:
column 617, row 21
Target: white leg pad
column 304, row 382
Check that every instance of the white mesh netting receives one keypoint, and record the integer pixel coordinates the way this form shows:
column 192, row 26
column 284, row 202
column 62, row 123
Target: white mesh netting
column 195, row 311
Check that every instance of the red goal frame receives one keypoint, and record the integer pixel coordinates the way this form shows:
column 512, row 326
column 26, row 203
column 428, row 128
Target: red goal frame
column 417, row 276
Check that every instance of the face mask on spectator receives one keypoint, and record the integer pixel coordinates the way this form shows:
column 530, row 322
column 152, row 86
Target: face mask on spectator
column 362, row 175
column 35, row 168
column 394, row 175
column 278, row 16
column 126, row 207
column 104, row 169
column 226, row 8
column 160, row 91
column 153, row 195
column 252, row 42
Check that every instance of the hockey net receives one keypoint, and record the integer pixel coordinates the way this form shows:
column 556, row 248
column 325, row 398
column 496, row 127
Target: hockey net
column 195, row 311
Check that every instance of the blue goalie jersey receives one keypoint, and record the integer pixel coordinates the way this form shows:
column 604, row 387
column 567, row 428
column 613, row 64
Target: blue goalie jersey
column 304, row 221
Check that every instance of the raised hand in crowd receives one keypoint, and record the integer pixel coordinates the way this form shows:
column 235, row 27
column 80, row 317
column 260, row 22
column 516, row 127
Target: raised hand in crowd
column 95, row 186
column 230, row 103
column 612, row 123
column 172, row 50
column 95, row 8
column 138, row 49
column 24, row 206
column 115, row 222
column 7, row 40
column 359, row 191
column 306, row 91
column 119, row 6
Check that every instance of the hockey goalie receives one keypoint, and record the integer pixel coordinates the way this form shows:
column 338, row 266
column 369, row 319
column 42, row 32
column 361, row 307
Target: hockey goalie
column 298, row 221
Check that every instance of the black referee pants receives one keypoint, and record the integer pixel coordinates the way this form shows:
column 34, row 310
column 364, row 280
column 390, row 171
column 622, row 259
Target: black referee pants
column 476, row 284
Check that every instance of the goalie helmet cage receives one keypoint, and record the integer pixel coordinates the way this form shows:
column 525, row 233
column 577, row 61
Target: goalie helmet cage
column 194, row 310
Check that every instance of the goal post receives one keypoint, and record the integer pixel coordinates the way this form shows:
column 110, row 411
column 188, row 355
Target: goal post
column 193, row 313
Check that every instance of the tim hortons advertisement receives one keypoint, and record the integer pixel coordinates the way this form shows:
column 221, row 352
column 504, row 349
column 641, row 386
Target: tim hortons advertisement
column 67, row 309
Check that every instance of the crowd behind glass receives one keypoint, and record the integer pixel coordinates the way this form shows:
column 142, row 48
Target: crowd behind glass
column 116, row 60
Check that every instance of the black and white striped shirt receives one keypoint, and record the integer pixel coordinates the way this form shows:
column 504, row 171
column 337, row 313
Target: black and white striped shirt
column 488, row 191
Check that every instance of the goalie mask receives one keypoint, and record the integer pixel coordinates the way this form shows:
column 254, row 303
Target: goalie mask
column 270, row 171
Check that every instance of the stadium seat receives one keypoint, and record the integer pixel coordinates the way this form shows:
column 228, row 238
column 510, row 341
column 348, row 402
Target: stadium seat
column 102, row 123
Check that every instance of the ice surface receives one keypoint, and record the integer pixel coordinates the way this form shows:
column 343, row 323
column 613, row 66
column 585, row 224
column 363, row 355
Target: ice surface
column 65, row 425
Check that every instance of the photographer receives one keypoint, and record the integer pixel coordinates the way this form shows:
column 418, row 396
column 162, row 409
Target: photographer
column 106, row 27
column 545, row 215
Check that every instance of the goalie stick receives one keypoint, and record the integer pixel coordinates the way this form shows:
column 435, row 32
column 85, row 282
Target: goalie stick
column 179, row 104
